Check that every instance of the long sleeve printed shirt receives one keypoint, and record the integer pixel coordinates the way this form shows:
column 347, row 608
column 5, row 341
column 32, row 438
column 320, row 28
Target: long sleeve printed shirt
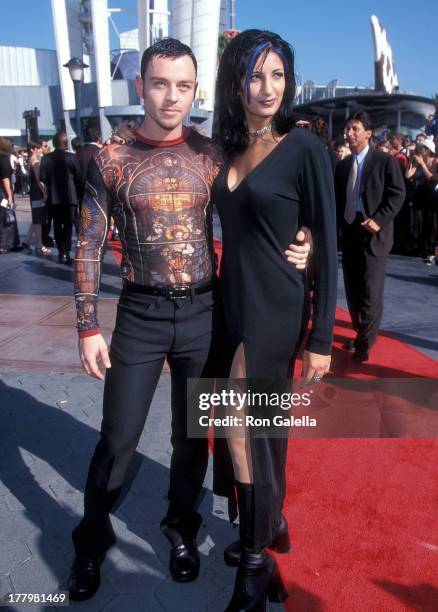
column 159, row 196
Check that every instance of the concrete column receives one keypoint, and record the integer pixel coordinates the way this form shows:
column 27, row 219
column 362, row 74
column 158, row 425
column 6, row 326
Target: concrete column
column 105, row 126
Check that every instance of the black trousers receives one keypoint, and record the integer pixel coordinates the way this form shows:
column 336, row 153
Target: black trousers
column 64, row 218
column 364, row 280
column 148, row 329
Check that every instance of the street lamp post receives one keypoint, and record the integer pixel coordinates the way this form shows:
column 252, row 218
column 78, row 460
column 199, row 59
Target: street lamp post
column 76, row 69
column 31, row 119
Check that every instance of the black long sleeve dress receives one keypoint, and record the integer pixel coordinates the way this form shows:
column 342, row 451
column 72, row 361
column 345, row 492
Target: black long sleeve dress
column 266, row 300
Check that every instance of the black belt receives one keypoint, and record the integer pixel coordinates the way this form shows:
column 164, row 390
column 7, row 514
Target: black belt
column 179, row 292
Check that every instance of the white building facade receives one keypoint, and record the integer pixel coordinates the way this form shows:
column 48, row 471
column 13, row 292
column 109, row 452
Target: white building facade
column 37, row 78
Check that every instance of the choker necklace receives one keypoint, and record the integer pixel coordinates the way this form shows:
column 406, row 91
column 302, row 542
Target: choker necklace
column 265, row 130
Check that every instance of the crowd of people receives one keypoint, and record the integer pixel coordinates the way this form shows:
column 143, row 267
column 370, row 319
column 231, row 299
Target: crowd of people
column 54, row 181
column 416, row 225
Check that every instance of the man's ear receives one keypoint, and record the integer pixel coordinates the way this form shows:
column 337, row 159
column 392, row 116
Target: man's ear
column 139, row 86
column 195, row 91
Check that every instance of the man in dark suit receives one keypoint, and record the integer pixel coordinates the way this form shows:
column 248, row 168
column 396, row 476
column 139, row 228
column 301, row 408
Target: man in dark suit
column 60, row 171
column 369, row 193
column 90, row 148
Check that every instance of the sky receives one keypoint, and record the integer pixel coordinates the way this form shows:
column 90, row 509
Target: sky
column 331, row 38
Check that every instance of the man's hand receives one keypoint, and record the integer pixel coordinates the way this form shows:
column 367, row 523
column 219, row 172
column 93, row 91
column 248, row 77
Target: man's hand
column 299, row 254
column 314, row 367
column 302, row 123
column 93, row 353
column 371, row 226
column 124, row 133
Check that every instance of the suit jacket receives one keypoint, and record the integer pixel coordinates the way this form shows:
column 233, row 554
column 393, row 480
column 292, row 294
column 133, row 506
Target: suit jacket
column 61, row 172
column 382, row 190
column 85, row 154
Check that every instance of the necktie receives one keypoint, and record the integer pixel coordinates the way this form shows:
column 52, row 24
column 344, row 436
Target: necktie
column 350, row 203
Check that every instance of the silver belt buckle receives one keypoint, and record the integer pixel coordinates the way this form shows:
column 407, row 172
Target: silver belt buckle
column 178, row 288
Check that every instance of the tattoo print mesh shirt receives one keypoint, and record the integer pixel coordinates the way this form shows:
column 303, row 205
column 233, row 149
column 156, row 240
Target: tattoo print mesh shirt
column 159, row 196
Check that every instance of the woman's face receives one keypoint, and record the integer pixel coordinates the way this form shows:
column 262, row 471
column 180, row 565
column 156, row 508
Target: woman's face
column 267, row 85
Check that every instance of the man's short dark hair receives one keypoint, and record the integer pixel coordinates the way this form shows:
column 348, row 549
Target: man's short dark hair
column 92, row 134
column 60, row 140
column 76, row 143
column 364, row 118
column 34, row 144
column 167, row 47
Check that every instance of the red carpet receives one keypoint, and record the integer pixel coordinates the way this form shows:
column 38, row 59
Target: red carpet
column 363, row 512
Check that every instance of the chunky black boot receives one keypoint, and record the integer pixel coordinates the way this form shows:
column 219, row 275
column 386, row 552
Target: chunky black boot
column 257, row 575
column 257, row 579
column 280, row 544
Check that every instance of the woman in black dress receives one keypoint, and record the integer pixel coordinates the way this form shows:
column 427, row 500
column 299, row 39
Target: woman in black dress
column 276, row 179
column 37, row 203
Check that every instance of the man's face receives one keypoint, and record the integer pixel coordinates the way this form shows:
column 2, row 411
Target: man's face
column 168, row 89
column 422, row 151
column 357, row 136
column 342, row 152
column 44, row 147
column 396, row 142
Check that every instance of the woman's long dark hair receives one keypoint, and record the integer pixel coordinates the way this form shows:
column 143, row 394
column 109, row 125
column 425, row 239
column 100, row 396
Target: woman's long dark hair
column 237, row 62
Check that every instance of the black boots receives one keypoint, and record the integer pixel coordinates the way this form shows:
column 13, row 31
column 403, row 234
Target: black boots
column 281, row 544
column 257, row 580
column 257, row 576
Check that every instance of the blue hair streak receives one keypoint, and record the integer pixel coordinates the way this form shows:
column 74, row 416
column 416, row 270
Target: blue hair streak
column 252, row 62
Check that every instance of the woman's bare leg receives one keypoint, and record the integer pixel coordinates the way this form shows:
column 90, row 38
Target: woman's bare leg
column 239, row 447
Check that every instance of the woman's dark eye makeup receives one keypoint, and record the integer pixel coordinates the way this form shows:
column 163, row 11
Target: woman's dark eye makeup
column 276, row 73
